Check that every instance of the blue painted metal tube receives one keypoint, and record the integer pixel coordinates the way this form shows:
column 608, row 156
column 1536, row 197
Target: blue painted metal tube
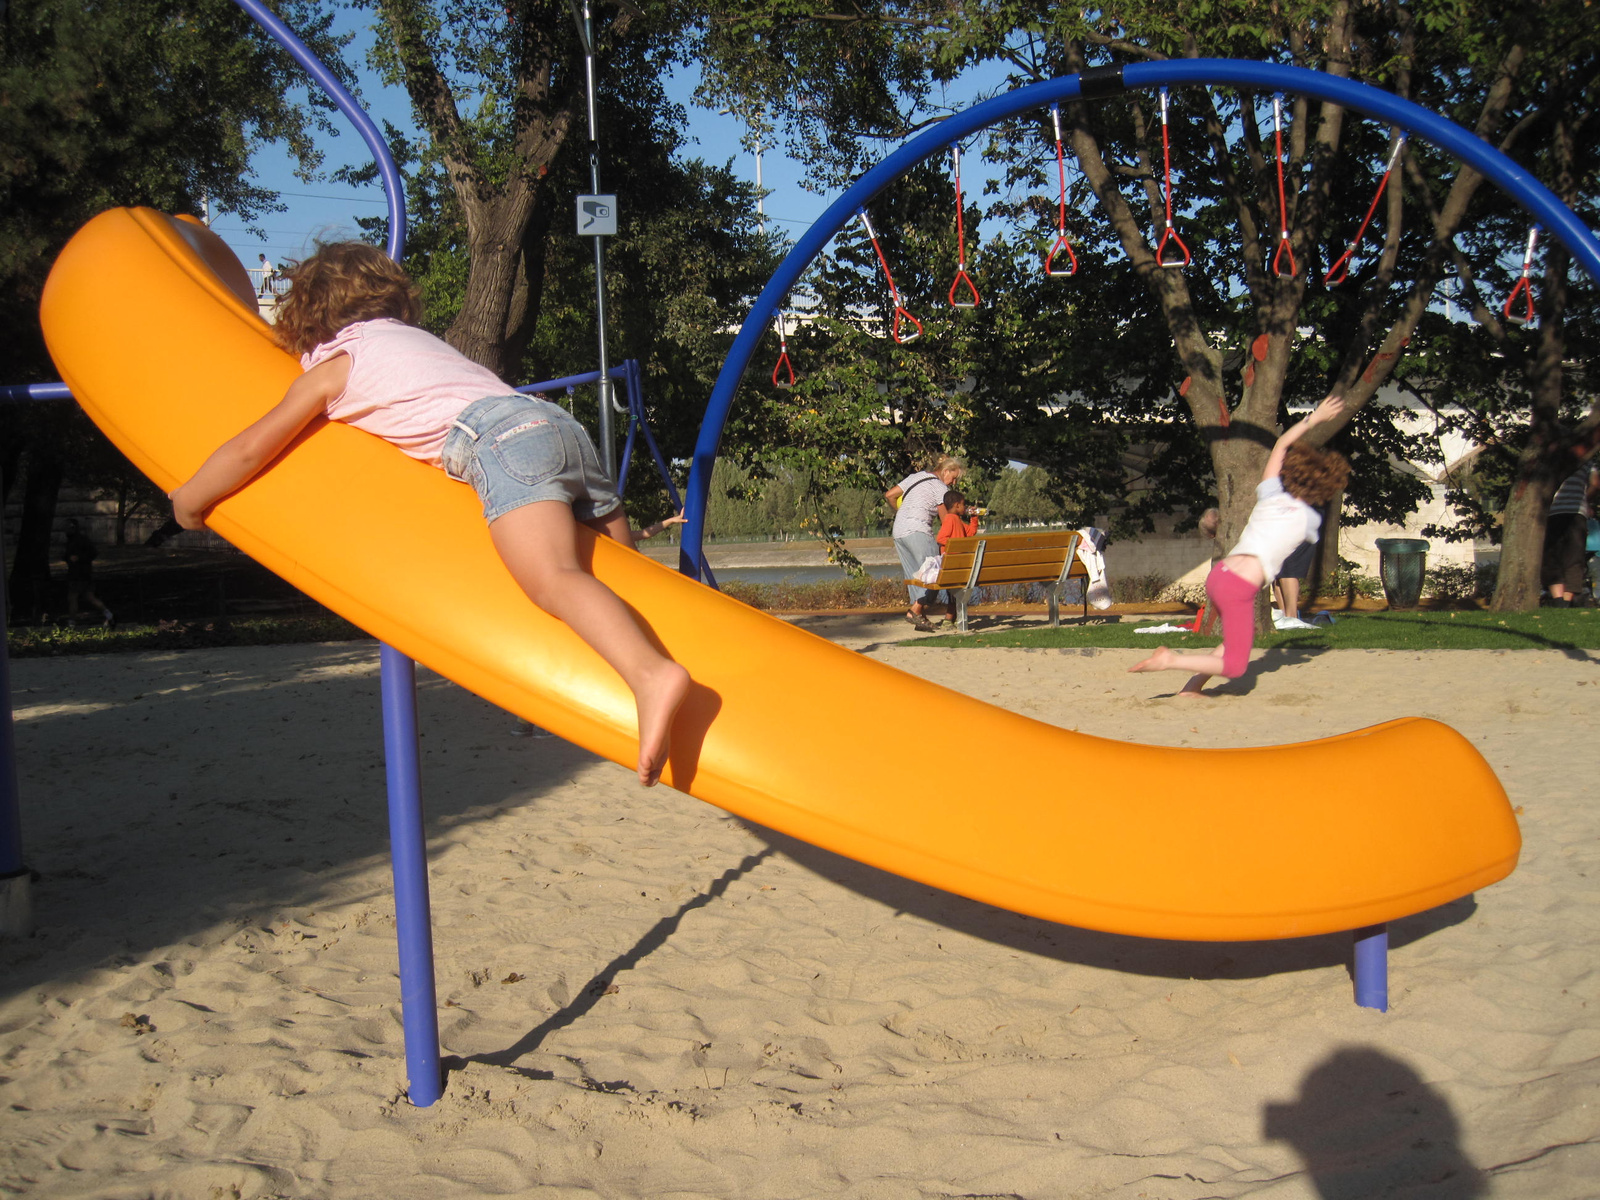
column 572, row 381
column 1096, row 84
column 408, row 847
column 1372, row 967
column 18, row 393
column 393, row 187
column 11, row 863
column 10, row 805
column 408, row 851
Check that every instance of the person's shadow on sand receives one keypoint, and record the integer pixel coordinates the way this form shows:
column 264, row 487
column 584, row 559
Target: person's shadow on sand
column 1367, row 1125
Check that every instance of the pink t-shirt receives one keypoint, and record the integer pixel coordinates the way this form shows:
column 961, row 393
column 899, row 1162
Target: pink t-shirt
column 405, row 385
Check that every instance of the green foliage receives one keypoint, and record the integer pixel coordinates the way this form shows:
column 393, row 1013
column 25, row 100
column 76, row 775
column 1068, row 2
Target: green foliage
column 48, row 641
column 152, row 102
column 1460, row 581
column 1074, row 374
column 1022, row 497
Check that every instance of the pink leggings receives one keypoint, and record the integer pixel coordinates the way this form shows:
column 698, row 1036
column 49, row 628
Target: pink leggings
column 1234, row 599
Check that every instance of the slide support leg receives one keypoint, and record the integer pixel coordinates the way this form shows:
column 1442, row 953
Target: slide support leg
column 408, row 848
column 1372, row 967
column 16, row 880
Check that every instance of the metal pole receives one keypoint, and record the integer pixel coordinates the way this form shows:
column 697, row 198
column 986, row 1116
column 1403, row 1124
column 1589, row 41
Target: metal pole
column 1372, row 967
column 604, row 386
column 419, row 1013
column 16, row 881
column 408, row 851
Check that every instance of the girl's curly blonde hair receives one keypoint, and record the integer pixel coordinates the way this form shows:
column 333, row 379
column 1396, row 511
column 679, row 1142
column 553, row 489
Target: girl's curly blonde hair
column 340, row 284
column 1315, row 476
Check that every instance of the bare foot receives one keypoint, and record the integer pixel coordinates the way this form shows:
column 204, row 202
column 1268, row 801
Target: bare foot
column 1161, row 660
column 658, row 700
column 1191, row 690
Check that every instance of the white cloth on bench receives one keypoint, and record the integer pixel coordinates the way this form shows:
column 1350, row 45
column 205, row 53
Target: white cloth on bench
column 1090, row 541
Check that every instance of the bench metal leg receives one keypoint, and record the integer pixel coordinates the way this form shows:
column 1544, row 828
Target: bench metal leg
column 961, row 596
column 1052, row 599
column 1372, row 967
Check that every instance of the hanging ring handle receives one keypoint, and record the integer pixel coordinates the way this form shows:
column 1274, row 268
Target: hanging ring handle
column 1170, row 234
column 1524, row 288
column 783, row 363
column 900, row 313
column 1283, row 203
column 1061, row 243
column 1341, row 267
column 962, row 279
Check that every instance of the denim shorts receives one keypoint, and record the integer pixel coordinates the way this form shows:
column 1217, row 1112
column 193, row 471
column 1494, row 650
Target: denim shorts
column 517, row 450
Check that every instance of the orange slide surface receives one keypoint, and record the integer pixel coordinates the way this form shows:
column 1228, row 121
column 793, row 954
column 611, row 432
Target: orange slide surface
column 152, row 324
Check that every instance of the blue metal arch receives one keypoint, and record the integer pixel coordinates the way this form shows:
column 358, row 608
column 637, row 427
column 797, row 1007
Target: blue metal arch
column 1549, row 211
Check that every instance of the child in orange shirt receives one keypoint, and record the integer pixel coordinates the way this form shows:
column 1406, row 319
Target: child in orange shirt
column 955, row 508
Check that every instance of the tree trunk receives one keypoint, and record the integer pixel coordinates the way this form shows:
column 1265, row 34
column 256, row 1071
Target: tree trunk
column 495, row 247
column 1325, row 562
column 29, row 585
column 1522, row 536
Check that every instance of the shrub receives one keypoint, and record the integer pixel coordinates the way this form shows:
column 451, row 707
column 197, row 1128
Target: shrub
column 1346, row 581
column 1461, row 581
column 1183, row 593
column 47, row 641
column 1131, row 589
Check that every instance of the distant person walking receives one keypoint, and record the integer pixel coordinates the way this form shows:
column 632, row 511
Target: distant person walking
column 79, row 553
column 1565, row 534
column 268, row 274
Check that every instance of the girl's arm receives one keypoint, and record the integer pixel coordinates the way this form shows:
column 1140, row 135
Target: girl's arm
column 649, row 531
column 892, row 495
column 241, row 457
column 1330, row 408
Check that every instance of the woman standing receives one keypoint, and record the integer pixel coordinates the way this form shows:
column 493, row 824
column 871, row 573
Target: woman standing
column 921, row 499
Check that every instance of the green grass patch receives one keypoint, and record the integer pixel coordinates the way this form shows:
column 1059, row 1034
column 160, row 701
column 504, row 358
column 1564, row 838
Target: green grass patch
column 1547, row 629
column 49, row 641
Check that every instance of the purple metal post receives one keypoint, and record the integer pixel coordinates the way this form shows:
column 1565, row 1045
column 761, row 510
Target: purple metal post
column 16, row 898
column 1372, row 967
column 413, row 923
column 408, row 851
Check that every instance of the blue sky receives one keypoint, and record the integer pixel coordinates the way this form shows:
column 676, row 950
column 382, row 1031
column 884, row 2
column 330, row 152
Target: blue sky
column 323, row 209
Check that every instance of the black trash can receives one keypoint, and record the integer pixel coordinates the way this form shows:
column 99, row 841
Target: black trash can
column 1401, row 565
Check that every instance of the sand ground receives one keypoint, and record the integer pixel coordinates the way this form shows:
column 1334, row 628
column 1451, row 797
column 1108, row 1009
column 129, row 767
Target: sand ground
column 643, row 996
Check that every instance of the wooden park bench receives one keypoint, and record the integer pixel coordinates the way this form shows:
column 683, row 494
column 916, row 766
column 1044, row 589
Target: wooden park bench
column 999, row 558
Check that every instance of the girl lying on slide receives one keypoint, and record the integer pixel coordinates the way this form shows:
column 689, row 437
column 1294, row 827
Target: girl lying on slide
column 1296, row 482
column 350, row 315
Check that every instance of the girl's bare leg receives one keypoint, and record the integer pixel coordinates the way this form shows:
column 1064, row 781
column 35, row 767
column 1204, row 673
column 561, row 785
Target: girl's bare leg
column 1204, row 666
column 538, row 544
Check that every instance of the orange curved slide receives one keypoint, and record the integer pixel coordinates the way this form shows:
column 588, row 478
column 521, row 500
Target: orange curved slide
column 168, row 355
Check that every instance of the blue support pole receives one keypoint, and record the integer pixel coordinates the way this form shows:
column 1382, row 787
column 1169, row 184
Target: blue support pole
column 388, row 171
column 408, row 851
column 1096, row 84
column 16, row 881
column 419, row 1013
column 1372, row 967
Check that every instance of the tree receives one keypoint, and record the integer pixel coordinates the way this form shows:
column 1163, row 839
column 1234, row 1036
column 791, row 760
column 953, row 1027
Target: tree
column 499, row 88
column 148, row 102
column 1022, row 497
column 1245, row 339
column 687, row 257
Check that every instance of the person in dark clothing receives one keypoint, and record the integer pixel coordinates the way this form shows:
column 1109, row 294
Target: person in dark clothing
column 79, row 553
